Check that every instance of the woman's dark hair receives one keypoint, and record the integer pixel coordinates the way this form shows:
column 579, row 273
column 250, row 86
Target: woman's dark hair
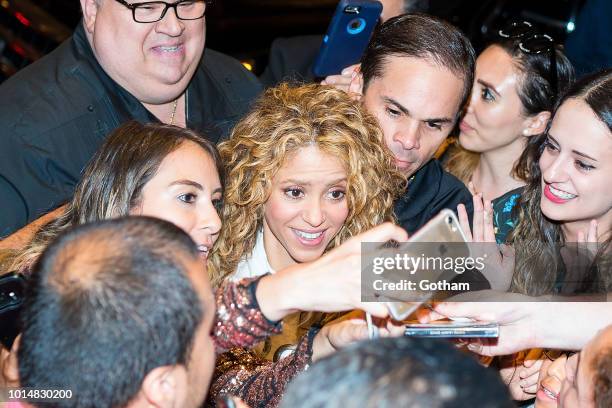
column 536, row 90
column 113, row 180
column 536, row 238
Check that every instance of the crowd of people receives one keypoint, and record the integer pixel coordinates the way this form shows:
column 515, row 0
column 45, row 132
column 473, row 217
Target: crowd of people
column 190, row 239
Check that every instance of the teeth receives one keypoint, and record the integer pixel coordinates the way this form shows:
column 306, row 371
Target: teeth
column 561, row 194
column 307, row 235
column 549, row 393
column 169, row 49
column 203, row 248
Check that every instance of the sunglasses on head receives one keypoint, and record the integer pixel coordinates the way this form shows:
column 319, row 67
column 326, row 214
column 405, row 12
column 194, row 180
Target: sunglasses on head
column 533, row 42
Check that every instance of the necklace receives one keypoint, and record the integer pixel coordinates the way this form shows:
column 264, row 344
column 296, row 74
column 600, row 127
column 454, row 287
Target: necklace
column 174, row 111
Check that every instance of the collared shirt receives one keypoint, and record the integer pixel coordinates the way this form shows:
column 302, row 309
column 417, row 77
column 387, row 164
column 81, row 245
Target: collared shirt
column 429, row 191
column 256, row 263
column 56, row 112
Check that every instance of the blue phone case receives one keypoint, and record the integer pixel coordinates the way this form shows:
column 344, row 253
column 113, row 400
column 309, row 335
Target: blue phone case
column 347, row 36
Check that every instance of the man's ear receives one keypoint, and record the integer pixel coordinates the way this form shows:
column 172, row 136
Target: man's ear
column 90, row 10
column 165, row 386
column 9, row 364
column 536, row 124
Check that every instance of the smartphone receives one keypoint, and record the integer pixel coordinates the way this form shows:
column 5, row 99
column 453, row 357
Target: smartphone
column 444, row 229
column 347, row 36
column 458, row 330
column 12, row 290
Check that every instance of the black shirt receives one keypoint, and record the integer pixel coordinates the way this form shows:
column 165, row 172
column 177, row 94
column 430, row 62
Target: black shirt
column 429, row 191
column 56, row 112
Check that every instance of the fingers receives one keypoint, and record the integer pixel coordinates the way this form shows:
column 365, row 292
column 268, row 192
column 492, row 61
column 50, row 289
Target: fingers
column 530, row 384
column 375, row 309
column 592, row 234
column 472, row 189
column 356, row 85
column 464, row 222
column 344, row 79
column 489, row 228
column 479, row 214
column 383, row 233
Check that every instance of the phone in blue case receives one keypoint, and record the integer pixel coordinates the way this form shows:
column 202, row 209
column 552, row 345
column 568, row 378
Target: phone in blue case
column 347, row 36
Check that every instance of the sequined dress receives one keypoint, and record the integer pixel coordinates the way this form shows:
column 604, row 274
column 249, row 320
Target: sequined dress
column 241, row 370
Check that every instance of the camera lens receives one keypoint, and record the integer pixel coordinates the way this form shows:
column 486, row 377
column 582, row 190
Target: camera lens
column 355, row 26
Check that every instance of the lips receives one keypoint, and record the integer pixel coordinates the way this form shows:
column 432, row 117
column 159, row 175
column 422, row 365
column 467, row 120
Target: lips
column 204, row 250
column 309, row 238
column 465, row 127
column 402, row 164
column 557, row 196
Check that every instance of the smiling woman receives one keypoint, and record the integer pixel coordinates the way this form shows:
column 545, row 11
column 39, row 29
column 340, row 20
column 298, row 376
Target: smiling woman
column 567, row 197
column 156, row 170
column 306, row 170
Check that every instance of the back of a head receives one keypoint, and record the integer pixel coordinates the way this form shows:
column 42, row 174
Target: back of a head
column 107, row 303
column 397, row 372
column 420, row 36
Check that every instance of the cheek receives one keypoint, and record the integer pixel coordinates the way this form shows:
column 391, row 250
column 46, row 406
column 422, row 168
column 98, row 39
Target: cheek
column 171, row 212
column 337, row 214
column 278, row 211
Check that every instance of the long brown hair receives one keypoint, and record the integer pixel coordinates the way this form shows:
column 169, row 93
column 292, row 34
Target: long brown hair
column 536, row 238
column 283, row 120
column 113, row 180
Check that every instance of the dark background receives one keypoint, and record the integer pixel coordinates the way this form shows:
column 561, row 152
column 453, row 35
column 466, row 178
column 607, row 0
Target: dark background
column 245, row 28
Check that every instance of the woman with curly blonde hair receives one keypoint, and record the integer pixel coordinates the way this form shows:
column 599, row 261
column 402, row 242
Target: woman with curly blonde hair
column 307, row 169
column 321, row 127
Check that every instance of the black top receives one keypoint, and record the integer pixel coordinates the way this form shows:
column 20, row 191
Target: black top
column 57, row 112
column 431, row 190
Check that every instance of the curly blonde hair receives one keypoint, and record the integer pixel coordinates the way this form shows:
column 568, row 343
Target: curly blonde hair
column 283, row 120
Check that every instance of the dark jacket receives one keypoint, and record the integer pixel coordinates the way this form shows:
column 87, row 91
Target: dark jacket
column 56, row 112
column 431, row 190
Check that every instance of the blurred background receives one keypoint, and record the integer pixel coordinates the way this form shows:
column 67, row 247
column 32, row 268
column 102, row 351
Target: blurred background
column 245, row 28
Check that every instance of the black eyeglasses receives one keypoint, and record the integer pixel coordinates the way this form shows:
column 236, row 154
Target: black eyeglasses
column 153, row 11
column 533, row 42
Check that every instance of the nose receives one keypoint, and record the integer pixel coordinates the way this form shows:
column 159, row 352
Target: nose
column 557, row 368
column 554, row 171
column 408, row 136
column 472, row 100
column 170, row 24
column 209, row 221
column 314, row 213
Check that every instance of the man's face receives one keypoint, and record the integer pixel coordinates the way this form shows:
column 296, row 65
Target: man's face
column 416, row 103
column 153, row 61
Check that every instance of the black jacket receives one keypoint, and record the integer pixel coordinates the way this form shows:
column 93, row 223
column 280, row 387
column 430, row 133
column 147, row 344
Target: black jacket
column 430, row 191
column 55, row 113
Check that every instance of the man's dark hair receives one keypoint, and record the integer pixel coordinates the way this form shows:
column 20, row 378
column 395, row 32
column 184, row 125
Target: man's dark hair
column 398, row 372
column 109, row 302
column 420, row 36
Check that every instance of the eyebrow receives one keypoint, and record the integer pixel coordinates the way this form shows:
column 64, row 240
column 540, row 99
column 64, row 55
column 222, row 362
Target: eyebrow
column 407, row 112
column 194, row 184
column 573, row 151
column 488, row 85
column 308, row 183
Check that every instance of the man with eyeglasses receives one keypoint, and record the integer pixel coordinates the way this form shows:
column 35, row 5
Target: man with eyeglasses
column 126, row 60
